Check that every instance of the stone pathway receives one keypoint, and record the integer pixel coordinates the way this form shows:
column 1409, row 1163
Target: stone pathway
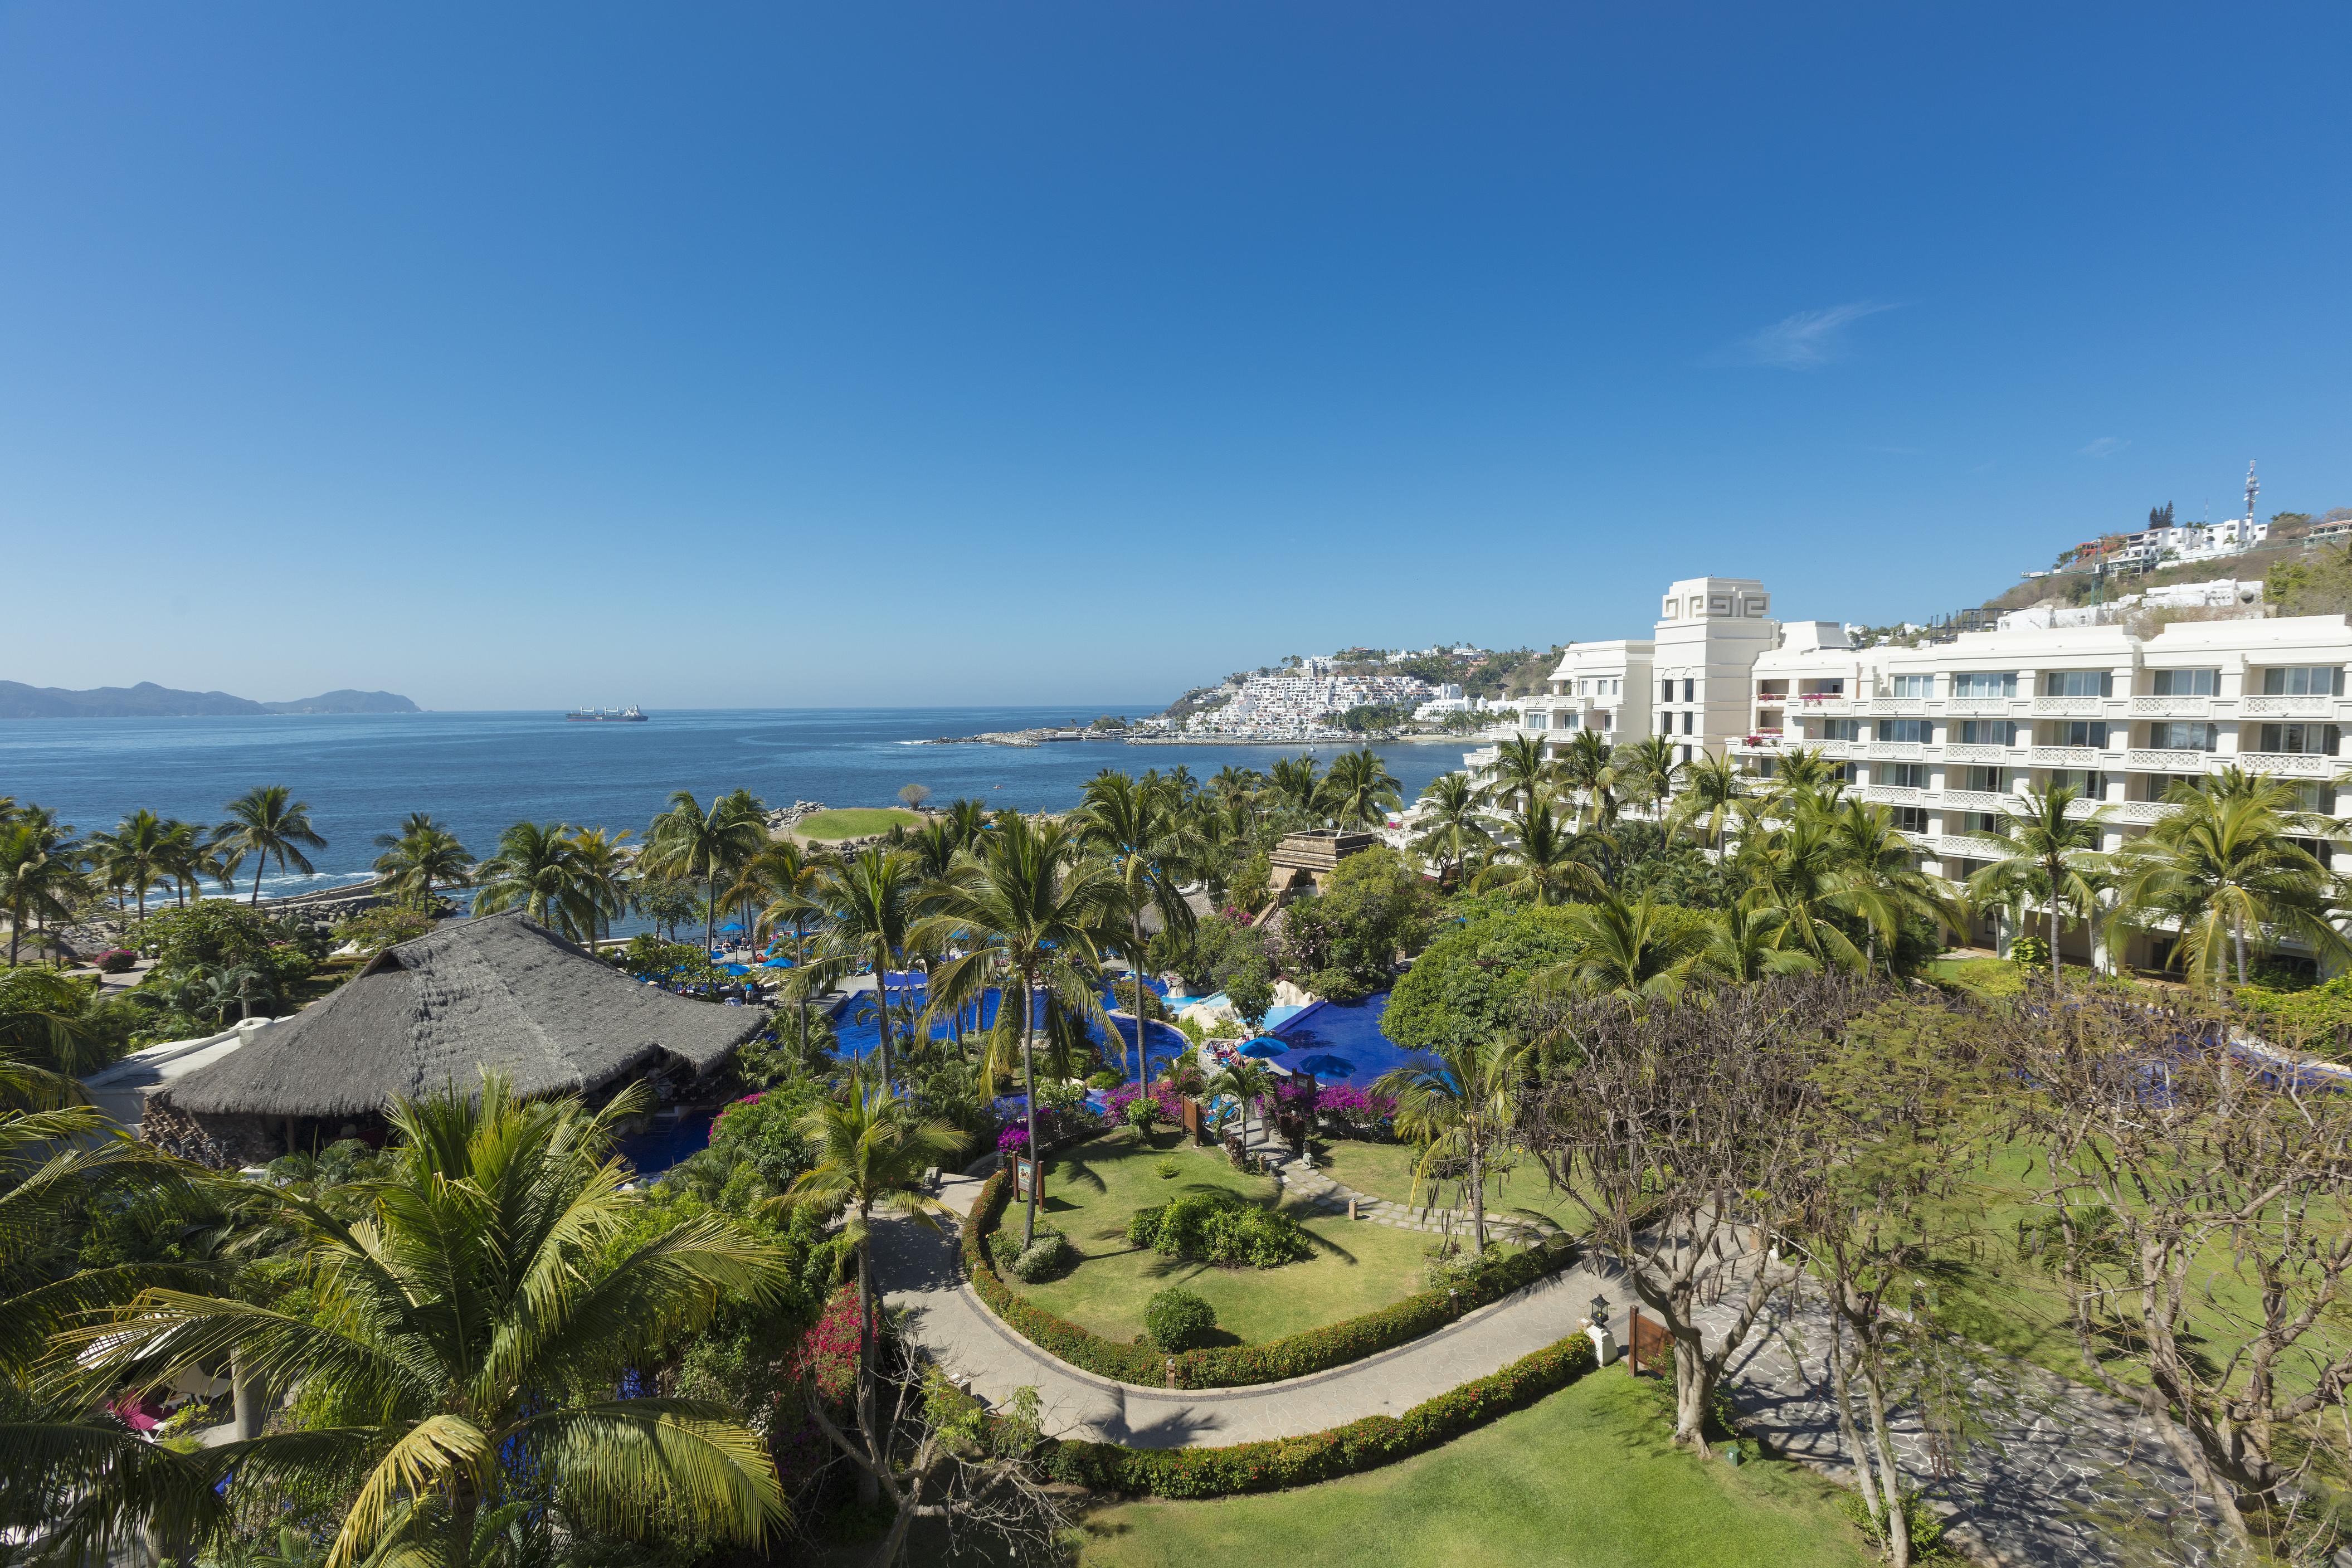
column 1312, row 1187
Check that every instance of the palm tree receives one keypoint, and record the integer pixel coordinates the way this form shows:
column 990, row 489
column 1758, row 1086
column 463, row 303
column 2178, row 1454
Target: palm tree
column 1295, row 786
column 1712, row 789
column 136, row 856
column 1542, row 858
column 870, row 1152
column 600, row 876
column 1626, row 950
column 1589, row 770
column 268, row 823
column 1037, row 913
column 1245, row 1080
column 1800, row 868
column 2048, row 853
column 478, row 1314
column 537, row 869
column 1878, row 858
column 1458, row 1107
column 870, row 903
column 1521, row 771
column 40, row 873
column 1359, row 789
column 1745, row 945
column 1807, row 771
column 1650, row 768
column 687, row 841
column 1142, row 828
column 421, row 856
column 785, row 875
column 1451, row 825
column 2224, row 864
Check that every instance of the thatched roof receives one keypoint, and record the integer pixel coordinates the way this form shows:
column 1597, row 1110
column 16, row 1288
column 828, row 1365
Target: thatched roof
column 498, row 992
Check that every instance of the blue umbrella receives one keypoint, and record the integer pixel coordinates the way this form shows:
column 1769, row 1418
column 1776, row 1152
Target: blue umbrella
column 732, row 925
column 1263, row 1048
column 777, row 964
column 1325, row 1065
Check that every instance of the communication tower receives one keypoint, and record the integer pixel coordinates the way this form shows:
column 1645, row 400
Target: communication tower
column 2254, row 488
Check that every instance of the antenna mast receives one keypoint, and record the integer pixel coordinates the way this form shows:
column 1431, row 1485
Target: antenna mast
column 2254, row 488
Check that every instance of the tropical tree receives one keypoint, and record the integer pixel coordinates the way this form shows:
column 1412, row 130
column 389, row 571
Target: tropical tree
column 1521, row 771
column 1142, row 828
column 1035, row 912
column 870, row 904
column 536, row 869
column 1712, row 789
column 1745, row 945
column 1650, row 770
column 782, row 878
column 1245, row 1080
column 480, row 1312
column 871, row 1153
column 1294, row 783
column 1878, row 860
column 40, row 873
column 267, row 824
column 2050, row 857
column 2227, row 866
column 1359, row 789
column 1799, row 868
column 1459, row 1108
column 1806, row 771
column 1542, row 857
column 422, row 856
column 691, row 842
column 136, row 856
column 600, row 876
column 1451, row 825
column 1588, row 770
column 1634, row 950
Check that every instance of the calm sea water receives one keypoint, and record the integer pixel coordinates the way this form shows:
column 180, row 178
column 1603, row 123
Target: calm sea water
column 478, row 772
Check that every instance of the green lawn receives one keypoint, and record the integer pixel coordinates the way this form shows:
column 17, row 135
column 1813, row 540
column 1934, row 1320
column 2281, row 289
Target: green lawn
column 1385, row 1171
column 1091, row 1191
column 854, row 821
column 1588, row 1479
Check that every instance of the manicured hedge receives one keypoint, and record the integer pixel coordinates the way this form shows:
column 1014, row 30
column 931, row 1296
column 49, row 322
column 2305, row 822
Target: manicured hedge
column 1325, row 1456
column 1232, row 1366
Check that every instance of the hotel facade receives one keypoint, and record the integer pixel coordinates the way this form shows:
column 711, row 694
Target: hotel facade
column 1950, row 736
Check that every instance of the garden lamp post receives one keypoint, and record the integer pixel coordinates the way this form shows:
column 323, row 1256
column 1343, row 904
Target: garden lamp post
column 1604, row 1344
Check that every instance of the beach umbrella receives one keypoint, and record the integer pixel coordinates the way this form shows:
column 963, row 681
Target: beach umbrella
column 1323, row 1064
column 732, row 925
column 1264, row 1047
column 777, row 964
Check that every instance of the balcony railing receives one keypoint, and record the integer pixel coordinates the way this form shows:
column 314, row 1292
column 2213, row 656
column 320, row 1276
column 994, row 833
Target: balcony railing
column 2292, row 764
column 2071, row 707
column 1897, row 751
column 2159, row 759
column 1894, row 794
column 2172, row 707
column 1980, row 707
column 2287, row 707
column 2140, row 813
column 1971, row 847
column 2069, row 757
column 1974, row 752
column 1898, row 705
column 1977, row 800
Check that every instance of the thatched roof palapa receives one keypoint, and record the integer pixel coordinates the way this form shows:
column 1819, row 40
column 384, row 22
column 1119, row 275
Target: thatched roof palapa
column 498, row 992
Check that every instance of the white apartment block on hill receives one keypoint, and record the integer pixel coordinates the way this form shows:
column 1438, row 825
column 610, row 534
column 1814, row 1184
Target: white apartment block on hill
column 1951, row 734
column 1296, row 704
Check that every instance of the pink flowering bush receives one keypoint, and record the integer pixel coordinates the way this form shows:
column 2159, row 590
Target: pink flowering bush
column 1115, row 1101
column 1360, row 1111
column 1013, row 1139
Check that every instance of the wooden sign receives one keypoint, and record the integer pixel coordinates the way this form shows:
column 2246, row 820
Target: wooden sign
column 1649, row 1348
column 1024, row 1178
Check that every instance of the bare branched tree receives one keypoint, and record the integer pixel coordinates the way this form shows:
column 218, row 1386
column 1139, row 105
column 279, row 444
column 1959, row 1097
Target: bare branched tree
column 1688, row 1128
column 2196, row 1212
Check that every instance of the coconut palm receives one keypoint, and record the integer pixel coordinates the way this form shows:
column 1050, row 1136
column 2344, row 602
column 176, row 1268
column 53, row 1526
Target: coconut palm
column 1806, row 771
column 600, row 876
column 1651, row 770
column 136, row 856
column 1521, row 771
column 783, row 877
column 1745, row 945
column 267, row 824
column 1037, row 913
column 1142, row 828
column 423, row 855
column 1542, row 857
column 1458, row 1107
column 869, row 903
column 40, row 873
column 537, row 870
column 1633, row 950
column 1799, row 868
column 1713, row 790
column 1588, row 769
column 1451, row 822
column 2226, row 865
column 1879, row 858
column 478, row 1314
column 1245, row 1081
column 871, row 1153
column 1359, row 790
column 687, row 841
column 2048, row 853
column 1294, row 783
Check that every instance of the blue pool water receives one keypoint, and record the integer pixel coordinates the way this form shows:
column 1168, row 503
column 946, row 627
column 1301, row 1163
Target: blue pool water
column 1347, row 1029
column 859, row 1031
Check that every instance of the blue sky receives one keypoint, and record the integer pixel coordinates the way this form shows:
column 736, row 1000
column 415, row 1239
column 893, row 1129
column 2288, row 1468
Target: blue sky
column 771, row 355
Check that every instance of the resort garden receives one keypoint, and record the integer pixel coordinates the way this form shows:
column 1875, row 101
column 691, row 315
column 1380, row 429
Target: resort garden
column 1607, row 1022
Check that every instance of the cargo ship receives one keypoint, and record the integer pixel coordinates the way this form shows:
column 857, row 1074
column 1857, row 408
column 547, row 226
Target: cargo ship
column 632, row 714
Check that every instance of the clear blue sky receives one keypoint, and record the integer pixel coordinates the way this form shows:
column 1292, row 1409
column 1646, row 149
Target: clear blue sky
column 923, row 353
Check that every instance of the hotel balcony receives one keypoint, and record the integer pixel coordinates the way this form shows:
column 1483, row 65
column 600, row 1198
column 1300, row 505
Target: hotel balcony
column 2150, row 760
column 1899, row 706
column 2286, row 707
column 1894, row 794
column 2292, row 764
column 1978, row 800
column 1980, row 753
column 1822, row 702
column 2139, row 813
column 1967, row 847
column 2071, row 707
column 1897, row 751
column 1983, row 707
column 2069, row 757
column 2172, row 707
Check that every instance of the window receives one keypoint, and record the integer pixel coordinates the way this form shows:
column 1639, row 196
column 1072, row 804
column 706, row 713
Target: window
column 1915, row 686
column 1845, row 773
column 2078, row 683
column 2303, row 680
column 1916, row 731
column 2309, row 740
column 1690, row 721
column 1535, row 719
column 2077, row 732
column 2185, row 682
column 1666, row 690
column 1840, row 729
column 1902, row 775
column 2160, row 786
column 2181, row 737
column 1910, row 818
column 2312, row 795
column 2087, row 784
column 1985, row 779
column 1987, row 824
column 1985, row 683
column 1690, row 689
column 1682, row 753
column 1988, row 732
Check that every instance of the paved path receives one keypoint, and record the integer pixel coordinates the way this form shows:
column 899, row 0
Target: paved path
column 919, row 1271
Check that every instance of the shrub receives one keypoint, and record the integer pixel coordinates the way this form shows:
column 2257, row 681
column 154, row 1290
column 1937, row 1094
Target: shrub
column 1143, row 1114
column 1927, row 1526
column 2029, row 951
column 1043, row 1257
column 1323, row 1456
column 115, row 960
column 1105, row 1079
column 383, row 927
column 1013, row 1139
column 1177, row 1320
column 1167, row 1169
column 1003, row 1248
column 1220, row 1227
column 1360, row 1113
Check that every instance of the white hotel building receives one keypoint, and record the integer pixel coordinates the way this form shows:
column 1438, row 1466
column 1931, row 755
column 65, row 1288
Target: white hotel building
column 1949, row 734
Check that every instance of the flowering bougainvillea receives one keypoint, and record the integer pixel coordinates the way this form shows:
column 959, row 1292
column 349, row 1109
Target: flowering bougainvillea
column 1115, row 1101
column 1013, row 1139
column 827, row 1357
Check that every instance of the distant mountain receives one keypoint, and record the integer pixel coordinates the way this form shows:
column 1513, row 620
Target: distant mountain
column 148, row 701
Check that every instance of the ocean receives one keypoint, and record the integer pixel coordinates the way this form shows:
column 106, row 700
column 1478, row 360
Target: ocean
column 479, row 773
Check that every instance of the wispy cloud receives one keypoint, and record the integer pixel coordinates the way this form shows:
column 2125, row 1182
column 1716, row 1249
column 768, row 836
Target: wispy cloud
column 1806, row 341
column 2105, row 446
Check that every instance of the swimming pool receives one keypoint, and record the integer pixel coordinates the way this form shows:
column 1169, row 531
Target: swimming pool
column 859, row 1030
column 1347, row 1029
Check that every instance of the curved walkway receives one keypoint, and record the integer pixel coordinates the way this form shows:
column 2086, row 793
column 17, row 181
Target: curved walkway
column 920, row 1273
